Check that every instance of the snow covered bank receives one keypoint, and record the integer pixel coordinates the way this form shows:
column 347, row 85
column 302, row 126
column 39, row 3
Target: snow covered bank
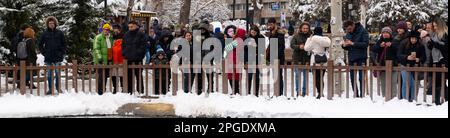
column 17, row 105
column 217, row 105
column 221, row 105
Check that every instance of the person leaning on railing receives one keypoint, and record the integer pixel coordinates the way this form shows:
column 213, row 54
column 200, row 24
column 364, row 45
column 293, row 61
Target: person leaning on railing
column 439, row 53
column 386, row 50
column 410, row 54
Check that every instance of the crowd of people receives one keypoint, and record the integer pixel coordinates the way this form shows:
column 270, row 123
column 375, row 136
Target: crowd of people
column 408, row 45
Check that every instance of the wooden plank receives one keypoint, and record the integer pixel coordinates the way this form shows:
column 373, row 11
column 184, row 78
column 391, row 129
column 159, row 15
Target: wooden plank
column 330, row 80
column 75, row 74
column 314, row 80
column 307, row 78
column 66, row 70
column 425, row 86
column 434, row 85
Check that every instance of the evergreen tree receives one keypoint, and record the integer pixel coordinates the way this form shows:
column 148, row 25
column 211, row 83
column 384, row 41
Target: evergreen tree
column 10, row 21
column 386, row 12
column 30, row 12
column 82, row 32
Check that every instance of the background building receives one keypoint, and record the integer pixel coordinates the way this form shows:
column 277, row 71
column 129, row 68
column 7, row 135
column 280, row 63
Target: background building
column 271, row 9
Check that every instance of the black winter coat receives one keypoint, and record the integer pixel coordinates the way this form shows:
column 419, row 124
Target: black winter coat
column 52, row 45
column 386, row 53
column 360, row 38
column 133, row 46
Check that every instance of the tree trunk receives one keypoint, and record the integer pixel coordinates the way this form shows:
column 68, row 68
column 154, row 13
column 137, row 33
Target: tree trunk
column 336, row 51
column 157, row 5
column 256, row 12
column 185, row 11
column 129, row 9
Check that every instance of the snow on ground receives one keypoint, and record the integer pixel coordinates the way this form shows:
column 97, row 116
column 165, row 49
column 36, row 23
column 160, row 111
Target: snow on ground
column 220, row 105
column 16, row 105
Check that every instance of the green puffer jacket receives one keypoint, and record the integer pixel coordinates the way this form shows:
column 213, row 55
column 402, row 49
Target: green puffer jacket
column 100, row 48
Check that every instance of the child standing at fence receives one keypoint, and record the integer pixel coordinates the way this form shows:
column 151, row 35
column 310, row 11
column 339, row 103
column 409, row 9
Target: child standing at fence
column 410, row 54
column 117, row 58
column 160, row 59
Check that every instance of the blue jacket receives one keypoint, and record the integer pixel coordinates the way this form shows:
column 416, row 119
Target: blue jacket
column 360, row 38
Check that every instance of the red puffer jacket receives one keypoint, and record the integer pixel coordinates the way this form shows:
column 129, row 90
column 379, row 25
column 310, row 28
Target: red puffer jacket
column 117, row 52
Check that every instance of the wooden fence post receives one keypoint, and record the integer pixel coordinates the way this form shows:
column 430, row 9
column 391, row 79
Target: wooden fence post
column 330, row 81
column 224, row 79
column 174, row 81
column 23, row 69
column 388, row 89
column 125, row 76
column 277, row 79
column 74, row 74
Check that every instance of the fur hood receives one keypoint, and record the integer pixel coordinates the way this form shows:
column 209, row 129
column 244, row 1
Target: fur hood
column 51, row 18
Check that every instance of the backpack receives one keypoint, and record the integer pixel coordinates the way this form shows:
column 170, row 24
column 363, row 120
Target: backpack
column 22, row 49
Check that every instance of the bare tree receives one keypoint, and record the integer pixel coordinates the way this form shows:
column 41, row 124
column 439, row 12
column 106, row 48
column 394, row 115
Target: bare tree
column 185, row 12
column 129, row 9
column 157, row 5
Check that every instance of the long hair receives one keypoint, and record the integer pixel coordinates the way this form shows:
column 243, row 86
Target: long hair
column 307, row 24
column 410, row 45
column 256, row 29
column 442, row 28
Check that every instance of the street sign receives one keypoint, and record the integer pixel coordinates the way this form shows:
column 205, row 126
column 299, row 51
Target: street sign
column 276, row 6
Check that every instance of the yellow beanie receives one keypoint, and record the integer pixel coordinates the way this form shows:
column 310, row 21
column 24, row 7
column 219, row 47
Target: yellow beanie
column 107, row 26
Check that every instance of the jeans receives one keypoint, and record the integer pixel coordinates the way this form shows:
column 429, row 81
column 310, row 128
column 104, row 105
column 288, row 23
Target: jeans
column 303, row 71
column 411, row 85
column 55, row 76
column 147, row 56
column 359, row 62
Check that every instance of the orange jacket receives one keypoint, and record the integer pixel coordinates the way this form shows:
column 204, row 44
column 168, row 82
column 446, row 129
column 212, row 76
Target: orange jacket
column 117, row 52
